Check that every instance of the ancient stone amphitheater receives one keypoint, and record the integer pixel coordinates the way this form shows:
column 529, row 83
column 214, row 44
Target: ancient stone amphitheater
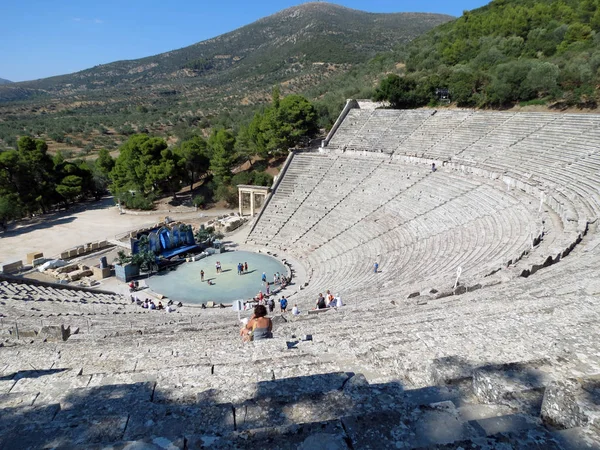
column 508, row 358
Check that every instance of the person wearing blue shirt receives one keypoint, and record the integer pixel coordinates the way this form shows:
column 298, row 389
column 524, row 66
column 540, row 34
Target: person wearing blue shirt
column 283, row 304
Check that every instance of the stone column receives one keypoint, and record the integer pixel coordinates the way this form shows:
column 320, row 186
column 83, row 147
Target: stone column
column 252, row 203
column 241, row 197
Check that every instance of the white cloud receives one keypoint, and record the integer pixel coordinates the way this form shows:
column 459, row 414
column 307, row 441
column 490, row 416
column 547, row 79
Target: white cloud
column 98, row 21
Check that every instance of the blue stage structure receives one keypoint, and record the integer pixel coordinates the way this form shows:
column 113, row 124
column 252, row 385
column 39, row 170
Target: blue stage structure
column 167, row 242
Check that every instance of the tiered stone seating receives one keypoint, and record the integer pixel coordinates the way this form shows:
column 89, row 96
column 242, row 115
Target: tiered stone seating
column 511, row 363
column 532, row 152
column 426, row 237
column 292, row 192
column 435, row 129
column 343, row 177
column 475, row 371
column 473, row 129
column 349, row 128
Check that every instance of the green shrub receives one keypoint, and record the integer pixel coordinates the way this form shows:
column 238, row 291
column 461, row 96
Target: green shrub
column 241, row 178
column 262, row 179
column 136, row 201
column 228, row 194
column 199, row 200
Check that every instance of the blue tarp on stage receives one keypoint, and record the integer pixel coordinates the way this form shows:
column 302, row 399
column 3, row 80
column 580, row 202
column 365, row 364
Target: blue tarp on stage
column 177, row 251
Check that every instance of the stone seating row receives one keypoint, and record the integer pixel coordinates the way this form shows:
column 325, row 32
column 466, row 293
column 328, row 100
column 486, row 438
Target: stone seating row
column 437, row 220
column 312, row 240
column 291, row 193
column 342, row 180
column 485, row 380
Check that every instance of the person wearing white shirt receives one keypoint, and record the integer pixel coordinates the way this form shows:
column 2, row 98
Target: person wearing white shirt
column 295, row 310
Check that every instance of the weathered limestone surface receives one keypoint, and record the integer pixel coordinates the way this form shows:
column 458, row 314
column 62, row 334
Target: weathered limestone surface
column 503, row 362
column 572, row 403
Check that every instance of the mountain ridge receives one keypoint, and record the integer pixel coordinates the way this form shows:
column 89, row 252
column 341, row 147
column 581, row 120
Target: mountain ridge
column 223, row 52
column 5, row 81
column 298, row 48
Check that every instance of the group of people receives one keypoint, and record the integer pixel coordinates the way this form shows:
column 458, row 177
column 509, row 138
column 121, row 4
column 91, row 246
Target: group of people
column 242, row 268
column 149, row 304
column 328, row 301
column 277, row 279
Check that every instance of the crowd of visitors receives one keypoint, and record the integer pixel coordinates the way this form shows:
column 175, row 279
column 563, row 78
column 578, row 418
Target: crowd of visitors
column 149, row 304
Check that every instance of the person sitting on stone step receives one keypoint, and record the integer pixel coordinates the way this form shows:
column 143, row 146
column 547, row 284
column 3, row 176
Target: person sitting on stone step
column 329, row 301
column 321, row 302
column 258, row 327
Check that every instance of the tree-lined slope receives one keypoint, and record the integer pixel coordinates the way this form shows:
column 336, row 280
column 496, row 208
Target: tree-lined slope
column 544, row 51
column 299, row 48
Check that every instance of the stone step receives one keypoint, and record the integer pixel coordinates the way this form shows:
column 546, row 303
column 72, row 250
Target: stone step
column 572, row 403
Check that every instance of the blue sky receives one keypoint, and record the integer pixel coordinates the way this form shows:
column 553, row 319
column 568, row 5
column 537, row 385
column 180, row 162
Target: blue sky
column 41, row 38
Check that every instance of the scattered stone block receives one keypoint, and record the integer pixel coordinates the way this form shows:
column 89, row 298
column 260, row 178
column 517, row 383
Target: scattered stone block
column 68, row 268
column 11, row 267
column 39, row 261
column 101, row 273
column 64, row 255
column 507, row 382
column 78, row 274
column 572, row 403
column 54, row 332
column 72, row 253
column 33, row 255
column 414, row 294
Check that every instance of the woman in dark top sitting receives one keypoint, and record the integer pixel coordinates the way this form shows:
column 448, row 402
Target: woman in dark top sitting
column 259, row 326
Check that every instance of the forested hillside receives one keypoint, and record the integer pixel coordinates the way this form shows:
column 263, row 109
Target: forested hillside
column 510, row 51
column 218, row 82
column 148, row 168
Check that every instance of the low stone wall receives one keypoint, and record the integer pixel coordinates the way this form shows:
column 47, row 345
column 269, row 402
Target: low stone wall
column 11, row 267
column 84, row 249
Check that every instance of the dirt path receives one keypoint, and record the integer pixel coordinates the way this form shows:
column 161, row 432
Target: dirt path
column 56, row 232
